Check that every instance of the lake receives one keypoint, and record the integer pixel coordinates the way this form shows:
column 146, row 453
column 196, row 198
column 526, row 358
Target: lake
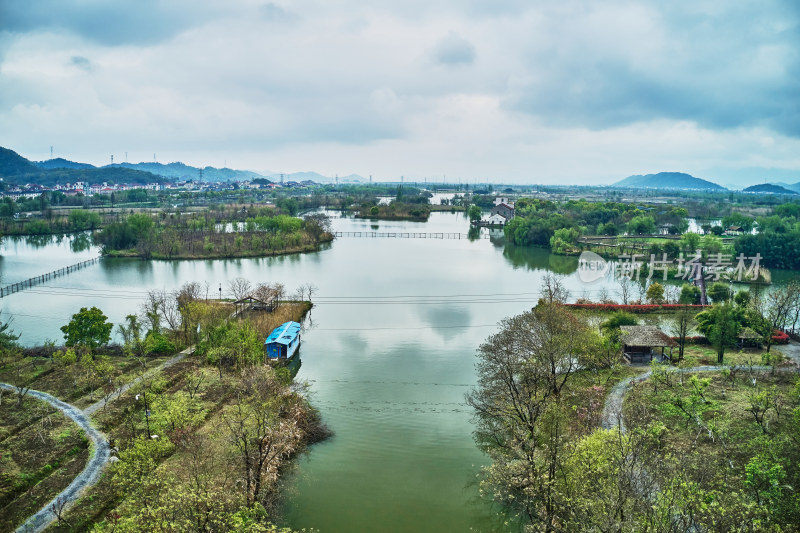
column 389, row 351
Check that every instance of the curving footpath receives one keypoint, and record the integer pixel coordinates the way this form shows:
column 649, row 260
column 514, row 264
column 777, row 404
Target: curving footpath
column 99, row 453
column 612, row 408
column 98, row 457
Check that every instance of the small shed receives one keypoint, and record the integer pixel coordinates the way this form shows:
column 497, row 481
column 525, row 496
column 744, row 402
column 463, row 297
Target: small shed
column 641, row 343
column 256, row 303
column 748, row 337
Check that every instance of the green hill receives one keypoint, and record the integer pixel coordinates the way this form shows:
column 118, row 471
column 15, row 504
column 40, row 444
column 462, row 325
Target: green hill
column 668, row 180
column 60, row 162
column 180, row 171
column 12, row 164
column 15, row 169
column 769, row 188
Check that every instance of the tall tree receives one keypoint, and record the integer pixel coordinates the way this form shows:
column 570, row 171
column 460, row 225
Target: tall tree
column 89, row 328
column 682, row 322
column 720, row 324
column 520, row 416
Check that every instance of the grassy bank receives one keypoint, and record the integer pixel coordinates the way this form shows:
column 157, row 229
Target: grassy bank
column 174, row 433
column 221, row 249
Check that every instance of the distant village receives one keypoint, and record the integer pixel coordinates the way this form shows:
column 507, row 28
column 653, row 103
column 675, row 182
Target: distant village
column 33, row 190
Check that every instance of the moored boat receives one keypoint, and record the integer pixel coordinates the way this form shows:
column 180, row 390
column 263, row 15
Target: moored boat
column 283, row 342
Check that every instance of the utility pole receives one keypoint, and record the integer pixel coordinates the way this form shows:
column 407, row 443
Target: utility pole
column 51, row 152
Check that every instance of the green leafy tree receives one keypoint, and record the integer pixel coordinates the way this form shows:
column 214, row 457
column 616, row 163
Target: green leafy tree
column 642, row 224
column 519, row 411
column 563, row 239
column 689, row 243
column 89, row 328
column 690, row 294
column 720, row 292
column 742, row 299
column 617, row 319
column 655, row 293
column 720, row 324
column 474, row 213
column 737, row 219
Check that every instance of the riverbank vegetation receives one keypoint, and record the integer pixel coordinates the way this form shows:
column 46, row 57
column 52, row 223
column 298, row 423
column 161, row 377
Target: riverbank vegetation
column 202, row 442
column 624, row 228
column 408, row 204
column 223, row 233
column 714, row 451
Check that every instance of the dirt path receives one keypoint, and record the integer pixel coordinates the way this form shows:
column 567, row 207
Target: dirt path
column 791, row 351
column 98, row 457
column 99, row 451
column 91, row 409
column 612, row 409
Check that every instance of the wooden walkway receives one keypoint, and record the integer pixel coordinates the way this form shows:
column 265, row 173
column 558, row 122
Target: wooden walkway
column 32, row 282
column 404, row 235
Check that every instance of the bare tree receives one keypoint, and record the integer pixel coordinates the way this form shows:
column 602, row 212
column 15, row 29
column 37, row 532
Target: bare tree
column 160, row 306
column 776, row 308
column 553, row 289
column 264, row 428
column 603, row 297
column 189, row 292
column 625, row 289
column 239, row 288
column 59, row 508
column 21, row 389
column 672, row 293
column 682, row 322
column 306, row 291
column 519, row 412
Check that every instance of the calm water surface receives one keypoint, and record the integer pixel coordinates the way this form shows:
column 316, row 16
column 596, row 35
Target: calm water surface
column 389, row 350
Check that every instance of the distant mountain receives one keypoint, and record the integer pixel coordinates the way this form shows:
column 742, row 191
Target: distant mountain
column 16, row 169
column 60, row 170
column 668, row 180
column 180, row 171
column 794, row 187
column 60, row 162
column 769, row 188
column 12, row 164
column 315, row 177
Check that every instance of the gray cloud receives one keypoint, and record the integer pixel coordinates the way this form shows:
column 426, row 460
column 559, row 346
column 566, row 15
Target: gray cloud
column 513, row 90
column 81, row 62
column 110, row 23
column 454, row 50
column 275, row 13
column 714, row 67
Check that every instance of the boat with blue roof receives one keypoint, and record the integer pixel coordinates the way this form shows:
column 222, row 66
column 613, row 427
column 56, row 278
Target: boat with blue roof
column 283, row 342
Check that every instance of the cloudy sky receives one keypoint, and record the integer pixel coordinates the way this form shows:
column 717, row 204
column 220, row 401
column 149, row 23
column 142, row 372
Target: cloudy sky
column 563, row 91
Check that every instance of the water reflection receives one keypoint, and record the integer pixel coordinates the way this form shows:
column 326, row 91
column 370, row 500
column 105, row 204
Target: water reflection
column 534, row 258
column 294, row 364
column 448, row 318
column 39, row 241
column 80, row 242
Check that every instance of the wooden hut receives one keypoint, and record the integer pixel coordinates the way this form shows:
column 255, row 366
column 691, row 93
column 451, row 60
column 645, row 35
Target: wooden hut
column 256, row 303
column 641, row 343
column 748, row 337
